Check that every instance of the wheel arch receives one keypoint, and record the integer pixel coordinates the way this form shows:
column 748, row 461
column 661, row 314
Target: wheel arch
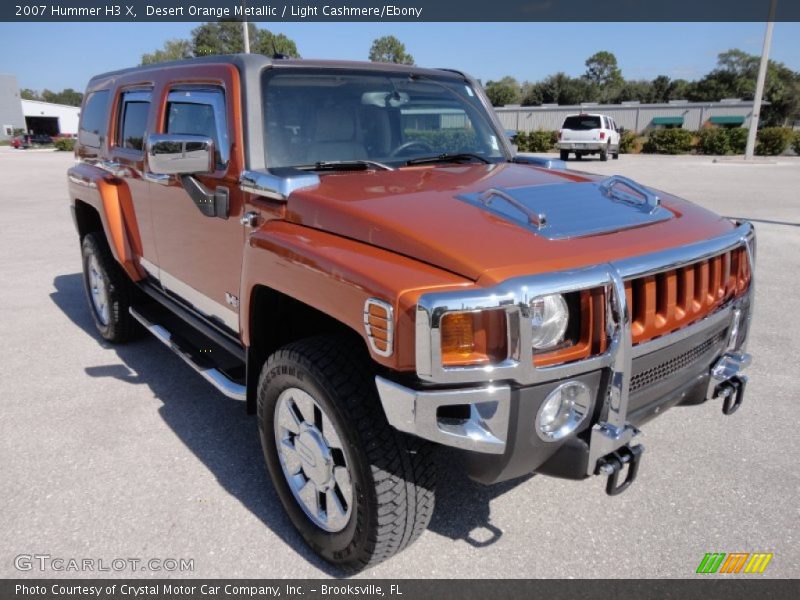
column 276, row 319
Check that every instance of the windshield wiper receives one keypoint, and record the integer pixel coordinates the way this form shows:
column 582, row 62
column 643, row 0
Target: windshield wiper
column 454, row 157
column 346, row 165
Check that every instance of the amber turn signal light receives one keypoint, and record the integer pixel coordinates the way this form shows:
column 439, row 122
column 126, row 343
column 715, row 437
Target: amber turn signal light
column 473, row 338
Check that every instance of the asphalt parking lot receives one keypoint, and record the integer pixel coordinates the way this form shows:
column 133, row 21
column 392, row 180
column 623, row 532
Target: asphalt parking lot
column 109, row 452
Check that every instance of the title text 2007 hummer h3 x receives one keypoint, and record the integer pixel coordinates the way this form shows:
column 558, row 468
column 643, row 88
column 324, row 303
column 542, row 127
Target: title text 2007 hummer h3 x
column 356, row 252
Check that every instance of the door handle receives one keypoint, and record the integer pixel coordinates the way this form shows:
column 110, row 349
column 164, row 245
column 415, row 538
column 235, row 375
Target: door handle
column 156, row 177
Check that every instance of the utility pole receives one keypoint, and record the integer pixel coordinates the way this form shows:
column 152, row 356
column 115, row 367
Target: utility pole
column 246, row 34
column 245, row 31
column 762, row 75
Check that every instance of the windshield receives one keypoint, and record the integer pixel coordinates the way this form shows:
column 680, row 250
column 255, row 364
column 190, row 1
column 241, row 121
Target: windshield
column 581, row 123
column 317, row 116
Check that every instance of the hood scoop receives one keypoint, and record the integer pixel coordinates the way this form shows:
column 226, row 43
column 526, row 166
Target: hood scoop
column 568, row 210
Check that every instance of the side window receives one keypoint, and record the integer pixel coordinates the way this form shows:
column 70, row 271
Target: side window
column 200, row 112
column 134, row 108
column 94, row 119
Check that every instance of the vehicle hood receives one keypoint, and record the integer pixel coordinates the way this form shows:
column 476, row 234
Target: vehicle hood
column 430, row 214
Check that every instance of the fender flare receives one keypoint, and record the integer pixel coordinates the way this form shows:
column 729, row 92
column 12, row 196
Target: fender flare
column 111, row 198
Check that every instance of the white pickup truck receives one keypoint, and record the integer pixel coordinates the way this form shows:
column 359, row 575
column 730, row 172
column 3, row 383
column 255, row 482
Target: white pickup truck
column 588, row 134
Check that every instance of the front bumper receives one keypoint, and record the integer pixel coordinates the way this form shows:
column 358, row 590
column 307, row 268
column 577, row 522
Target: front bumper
column 492, row 412
column 496, row 422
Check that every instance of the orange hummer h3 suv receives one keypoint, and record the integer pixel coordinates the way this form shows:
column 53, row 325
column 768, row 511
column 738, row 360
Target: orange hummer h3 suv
column 357, row 253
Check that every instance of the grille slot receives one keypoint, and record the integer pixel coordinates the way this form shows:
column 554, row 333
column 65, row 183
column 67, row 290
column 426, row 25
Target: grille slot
column 669, row 367
column 662, row 303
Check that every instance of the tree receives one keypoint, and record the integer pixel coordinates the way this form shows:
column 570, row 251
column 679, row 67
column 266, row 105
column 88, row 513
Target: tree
column 505, row 91
column 735, row 77
column 389, row 49
column 220, row 37
column 531, row 94
column 641, row 90
column 661, row 86
column 560, row 89
column 66, row 96
column 172, row 50
column 602, row 70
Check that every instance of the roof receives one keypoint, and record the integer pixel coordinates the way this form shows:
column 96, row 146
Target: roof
column 42, row 102
column 632, row 107
column 259, row 60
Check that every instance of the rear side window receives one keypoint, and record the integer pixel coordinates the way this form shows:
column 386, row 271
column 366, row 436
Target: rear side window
column 199, row 112
column 94, row 119
column 581, row 123
column 134, row 108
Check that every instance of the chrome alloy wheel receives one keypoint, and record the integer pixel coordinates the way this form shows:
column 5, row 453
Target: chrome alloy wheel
column 313, row 460
column 98, row 289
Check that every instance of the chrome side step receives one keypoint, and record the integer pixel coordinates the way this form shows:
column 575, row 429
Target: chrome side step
column 214, row 376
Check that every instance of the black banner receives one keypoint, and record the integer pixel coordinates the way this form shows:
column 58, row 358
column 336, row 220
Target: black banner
column 735, row 587
column 397, row 10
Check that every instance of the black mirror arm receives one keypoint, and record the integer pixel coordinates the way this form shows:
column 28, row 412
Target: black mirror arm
column 211, row 204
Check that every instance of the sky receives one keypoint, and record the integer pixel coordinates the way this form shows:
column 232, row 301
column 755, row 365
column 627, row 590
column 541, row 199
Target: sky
column 61, row 55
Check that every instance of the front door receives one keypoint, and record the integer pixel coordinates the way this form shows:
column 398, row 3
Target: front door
column 199, row 257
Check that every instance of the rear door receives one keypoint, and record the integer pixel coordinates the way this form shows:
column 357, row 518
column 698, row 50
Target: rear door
column 131, row 112
column 199, row 257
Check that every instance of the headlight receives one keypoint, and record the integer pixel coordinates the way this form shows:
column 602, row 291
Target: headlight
column 549, row 319
column 563, row 411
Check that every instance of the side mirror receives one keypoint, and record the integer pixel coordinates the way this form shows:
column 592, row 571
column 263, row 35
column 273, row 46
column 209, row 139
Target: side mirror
column 511, row 135
column 180, row 154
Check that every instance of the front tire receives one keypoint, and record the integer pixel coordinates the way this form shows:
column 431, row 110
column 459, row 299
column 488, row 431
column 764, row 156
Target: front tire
column 109, row 291
column 356, row 489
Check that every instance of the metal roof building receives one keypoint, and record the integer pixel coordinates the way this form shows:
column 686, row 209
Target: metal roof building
column 50, row 118
column 11, row 116
column 632, row 116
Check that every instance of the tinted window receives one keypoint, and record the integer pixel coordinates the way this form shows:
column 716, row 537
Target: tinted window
column 581, row 123
column 328, row 115
column 193, row 119
column 94, row 120
column 203, row 115
column 133, row 124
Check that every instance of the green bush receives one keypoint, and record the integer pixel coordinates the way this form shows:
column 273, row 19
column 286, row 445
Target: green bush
column 714, row 140
column 773, row 141
column 796, row 143
column 668, row 141
column 445, row 140
column 627, row 142
column 65, row 144
column 536, row 141
column 737, row 139
column 540, row 141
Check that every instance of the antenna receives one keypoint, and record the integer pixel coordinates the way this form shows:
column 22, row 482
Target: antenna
column 275, row 54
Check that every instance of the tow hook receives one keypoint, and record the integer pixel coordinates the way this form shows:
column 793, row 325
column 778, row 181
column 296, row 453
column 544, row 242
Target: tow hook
column 612, row 465
column 732, row 393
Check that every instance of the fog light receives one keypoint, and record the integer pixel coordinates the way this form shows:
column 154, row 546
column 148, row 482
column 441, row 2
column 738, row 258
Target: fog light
column 563, row 411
